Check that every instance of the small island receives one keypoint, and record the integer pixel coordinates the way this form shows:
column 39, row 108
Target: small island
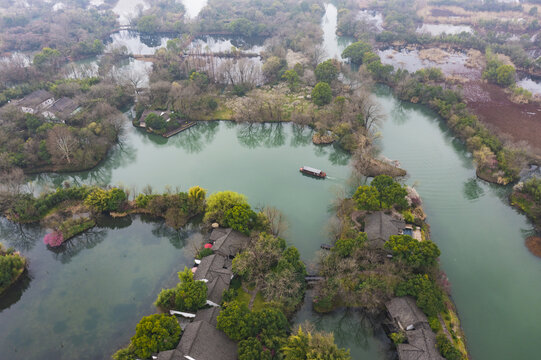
column 12, row 266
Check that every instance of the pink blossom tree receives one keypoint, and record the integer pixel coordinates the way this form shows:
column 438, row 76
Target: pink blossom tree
column 53, row 239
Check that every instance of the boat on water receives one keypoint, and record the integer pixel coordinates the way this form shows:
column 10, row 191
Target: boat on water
column 313, row 172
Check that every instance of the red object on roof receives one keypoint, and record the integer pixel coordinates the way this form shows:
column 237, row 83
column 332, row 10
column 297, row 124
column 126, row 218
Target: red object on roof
column 208, row 246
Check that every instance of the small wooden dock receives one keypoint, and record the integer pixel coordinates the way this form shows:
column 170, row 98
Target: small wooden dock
column 183, row 127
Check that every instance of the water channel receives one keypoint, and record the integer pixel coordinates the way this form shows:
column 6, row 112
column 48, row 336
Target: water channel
column 83, row 300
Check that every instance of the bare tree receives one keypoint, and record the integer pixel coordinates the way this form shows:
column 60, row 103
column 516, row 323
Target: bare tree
column 61, row 143
column 277, row 220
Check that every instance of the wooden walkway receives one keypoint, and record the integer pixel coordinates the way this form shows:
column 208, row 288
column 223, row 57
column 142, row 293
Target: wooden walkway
column 183, row 127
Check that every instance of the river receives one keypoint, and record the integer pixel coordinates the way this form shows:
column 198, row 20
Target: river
column 83, row 300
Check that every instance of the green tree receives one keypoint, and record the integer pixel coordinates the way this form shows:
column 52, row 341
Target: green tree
column 196, row 198
column 241, row 218
column 236, row 321
column 200, row 79
column 322, row 94
column 218, row 203
column 48, row 59
column 274, row 68
column 327, row 71
column 252, row 349
column 345, row 247
column 188, row 295
column 155, row 333
column 155, row 122
column 148, row 24
column 292, row 79
column 367, row 198
column 429, row 297
column 242, row 27
column 417, row 254
column 354, row 53
column 391, row 193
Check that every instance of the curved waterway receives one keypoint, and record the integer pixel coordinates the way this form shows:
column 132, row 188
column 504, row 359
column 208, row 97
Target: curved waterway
column 494, row 279
column 83, row 300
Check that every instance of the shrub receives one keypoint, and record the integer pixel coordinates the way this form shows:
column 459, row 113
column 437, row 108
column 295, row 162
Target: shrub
column 447, row 349
column 53, row 239
column 204, row 253
column 155, row 333
column 408, row 217
column 106, row 200
column 398, row 338
column 155, row 122
column 11, row 266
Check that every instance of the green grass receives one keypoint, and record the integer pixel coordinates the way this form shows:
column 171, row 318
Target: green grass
column 72, row 227
column 244, row 297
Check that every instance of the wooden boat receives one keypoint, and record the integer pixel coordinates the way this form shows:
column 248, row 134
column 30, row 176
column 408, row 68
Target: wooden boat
column 313, row 172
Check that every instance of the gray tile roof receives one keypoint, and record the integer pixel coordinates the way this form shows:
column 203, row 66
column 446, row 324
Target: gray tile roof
column 63, row 107
column 35, row 98
column 216, row 288
column 421, row 343
column 421, row 346
column 212, row 267
column 202, row 341
column 228, row 242
column 208, row 315
column 380, row 226
column 405, row 312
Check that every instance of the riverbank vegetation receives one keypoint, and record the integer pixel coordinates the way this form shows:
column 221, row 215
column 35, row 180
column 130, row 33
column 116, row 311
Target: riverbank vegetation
column 527, row 197
column 364, row 271
column 12, row 266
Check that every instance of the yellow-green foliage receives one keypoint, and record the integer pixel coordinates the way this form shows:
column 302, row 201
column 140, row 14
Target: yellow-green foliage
column 106, row 200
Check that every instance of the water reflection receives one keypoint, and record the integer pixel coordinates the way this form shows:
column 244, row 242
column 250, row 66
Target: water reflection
column 473, row 190
column 302, row 135
column 254, row 135
column 15, row 292
column 19, row 236
column 196, row 138
column 71, row 248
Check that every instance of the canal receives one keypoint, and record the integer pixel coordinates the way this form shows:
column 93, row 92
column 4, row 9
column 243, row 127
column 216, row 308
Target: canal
column 83, row 300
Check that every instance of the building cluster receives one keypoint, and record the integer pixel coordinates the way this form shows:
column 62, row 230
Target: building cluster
column 405, row 316
column 201, row 340
column 43, row 102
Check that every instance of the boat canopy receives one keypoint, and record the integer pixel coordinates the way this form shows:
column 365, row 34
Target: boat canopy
column 312, row 170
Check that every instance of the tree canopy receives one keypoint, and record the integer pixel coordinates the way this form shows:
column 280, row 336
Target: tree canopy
column 382, row 193
column 313, row 345
column 188, row 295
column 417, row 254
column 355, row 52
column 327, row 71
column 322, row 94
